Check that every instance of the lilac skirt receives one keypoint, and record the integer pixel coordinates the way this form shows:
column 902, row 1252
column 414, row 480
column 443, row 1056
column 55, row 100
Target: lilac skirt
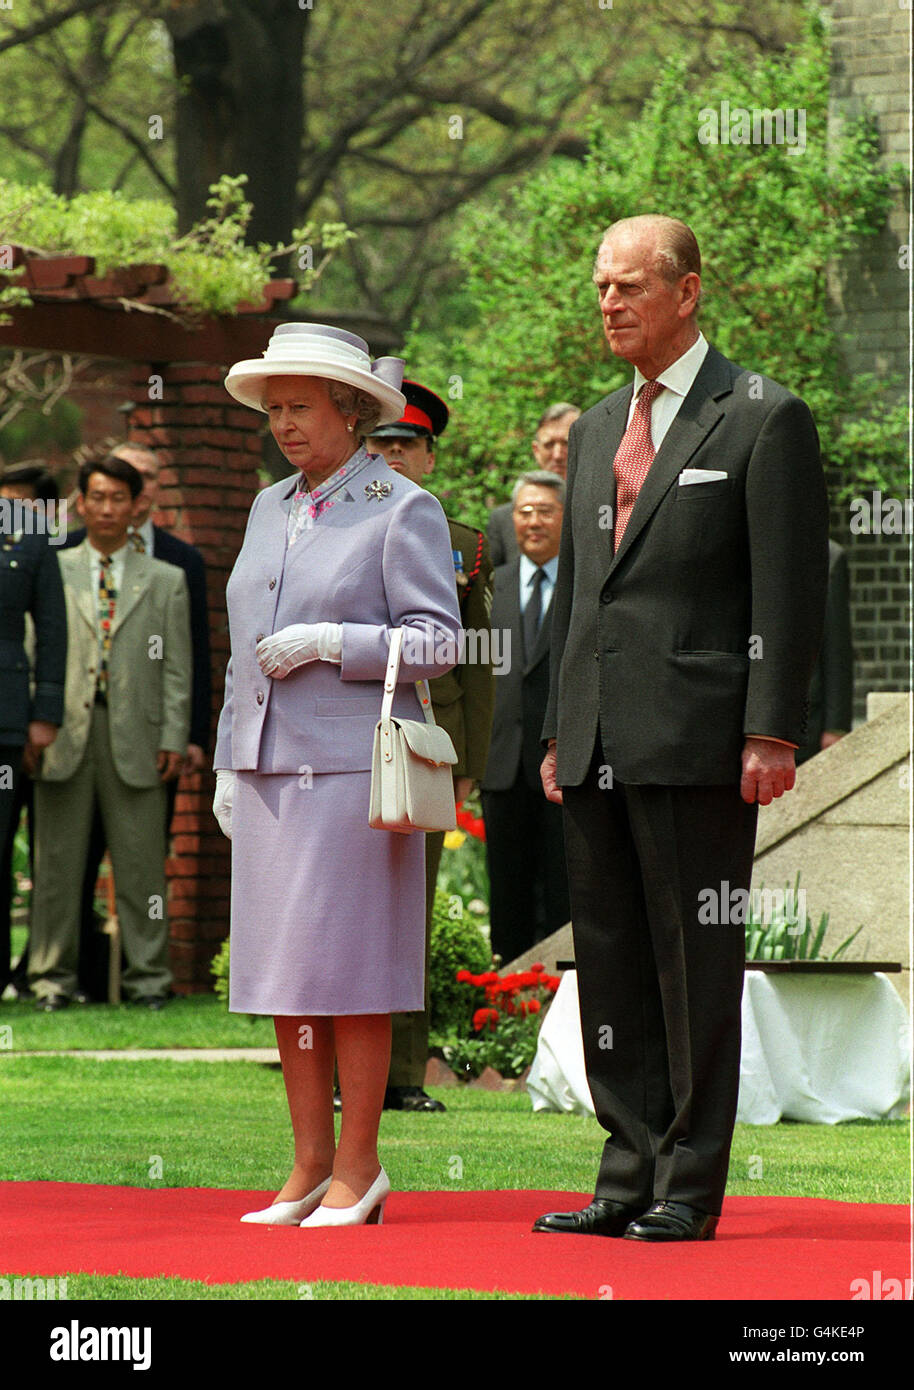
column 328, row 916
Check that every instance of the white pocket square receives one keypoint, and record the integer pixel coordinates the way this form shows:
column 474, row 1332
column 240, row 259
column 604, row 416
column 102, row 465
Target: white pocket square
column 701, row 475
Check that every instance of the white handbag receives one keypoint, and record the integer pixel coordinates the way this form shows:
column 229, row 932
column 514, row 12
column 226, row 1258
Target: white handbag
column 412, row 785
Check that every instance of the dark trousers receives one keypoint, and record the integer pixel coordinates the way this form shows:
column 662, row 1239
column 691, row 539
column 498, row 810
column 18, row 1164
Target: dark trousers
column 525, row 853
column 409, row 1032
column 13, row 786
column 660, row 991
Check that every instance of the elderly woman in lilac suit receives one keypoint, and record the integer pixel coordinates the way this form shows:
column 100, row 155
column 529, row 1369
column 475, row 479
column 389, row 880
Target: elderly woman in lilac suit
column 328, row 915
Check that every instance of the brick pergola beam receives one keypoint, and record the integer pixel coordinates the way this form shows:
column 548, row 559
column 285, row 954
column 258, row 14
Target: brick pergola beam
column 132, row 335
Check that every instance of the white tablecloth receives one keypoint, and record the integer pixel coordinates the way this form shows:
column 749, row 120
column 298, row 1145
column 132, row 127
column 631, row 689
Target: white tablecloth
column 819, row 1048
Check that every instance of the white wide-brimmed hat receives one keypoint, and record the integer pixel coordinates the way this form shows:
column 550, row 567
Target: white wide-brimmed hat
column 314, row 349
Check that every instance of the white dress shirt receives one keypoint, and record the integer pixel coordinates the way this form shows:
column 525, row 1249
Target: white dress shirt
column 678, row 378
column 528, row 569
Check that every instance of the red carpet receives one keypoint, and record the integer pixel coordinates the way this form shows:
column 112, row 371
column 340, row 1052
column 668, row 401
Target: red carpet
column 766, row 1247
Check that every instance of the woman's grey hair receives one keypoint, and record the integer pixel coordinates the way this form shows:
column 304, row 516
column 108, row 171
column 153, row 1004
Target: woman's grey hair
column 538, row 477
column 350, row 400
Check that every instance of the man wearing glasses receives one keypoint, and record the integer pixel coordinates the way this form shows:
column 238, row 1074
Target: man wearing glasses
column 524, row 839
column 550, row 453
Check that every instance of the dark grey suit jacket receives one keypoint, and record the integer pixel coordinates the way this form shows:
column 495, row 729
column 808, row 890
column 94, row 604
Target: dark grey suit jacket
column 501, row 535
column 703, row 628
column 521, row 691
column 831, row 693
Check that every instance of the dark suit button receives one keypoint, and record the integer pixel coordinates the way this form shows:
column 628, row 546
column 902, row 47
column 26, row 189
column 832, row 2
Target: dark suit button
column 606, row 596
column 260, row 697
column 272, row 584
column 259, row 637
column 596, row 656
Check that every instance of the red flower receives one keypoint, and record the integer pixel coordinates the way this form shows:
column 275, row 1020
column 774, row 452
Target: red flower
column 534, row 1006
column 483, row 1017
column 473, row 825
column 464, row 977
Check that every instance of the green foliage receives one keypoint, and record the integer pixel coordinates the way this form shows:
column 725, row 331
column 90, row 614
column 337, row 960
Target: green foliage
column 457, row 944
column 33, row 430
column 219, row 969
column 788, row 932
column 771, row 220
column 509, row 1050
column 212, row 269
column 463, row 873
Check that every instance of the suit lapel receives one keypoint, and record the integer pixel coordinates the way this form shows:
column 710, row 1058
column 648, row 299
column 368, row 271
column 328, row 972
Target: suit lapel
column 136, row 580
column 77, row 572
column 695, row 419
column 595, row 473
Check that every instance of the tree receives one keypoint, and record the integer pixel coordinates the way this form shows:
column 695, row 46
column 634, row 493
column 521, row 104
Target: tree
column 390, row 118
column 770, row 219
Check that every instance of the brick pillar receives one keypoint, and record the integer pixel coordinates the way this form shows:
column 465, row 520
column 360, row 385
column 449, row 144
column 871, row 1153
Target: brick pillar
column 210, row 449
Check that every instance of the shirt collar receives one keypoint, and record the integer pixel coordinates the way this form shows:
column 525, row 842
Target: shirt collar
column 528, row 568
column 98, row 555
column 680, row 375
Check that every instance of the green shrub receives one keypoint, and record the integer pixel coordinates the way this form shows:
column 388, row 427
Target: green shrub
column 219, row 969
column 457, row 944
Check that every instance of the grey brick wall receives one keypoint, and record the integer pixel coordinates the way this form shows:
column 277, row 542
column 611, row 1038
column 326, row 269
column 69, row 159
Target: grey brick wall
column 870, row 71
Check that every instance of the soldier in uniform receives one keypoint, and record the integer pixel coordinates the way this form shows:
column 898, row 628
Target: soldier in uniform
column 462, row 701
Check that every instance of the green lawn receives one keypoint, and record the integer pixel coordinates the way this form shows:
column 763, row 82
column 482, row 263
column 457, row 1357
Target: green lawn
column 225, row 1124
column 198, row 1020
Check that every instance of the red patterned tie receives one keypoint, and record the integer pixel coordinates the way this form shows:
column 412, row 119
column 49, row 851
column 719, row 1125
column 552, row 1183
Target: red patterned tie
column 634, row 457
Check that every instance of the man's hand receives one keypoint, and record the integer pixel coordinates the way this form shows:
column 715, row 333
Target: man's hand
column 195, row 761
column 169, row 764
column 40, row 736
column 769, row 770
column 547, row 774
column 463, row 788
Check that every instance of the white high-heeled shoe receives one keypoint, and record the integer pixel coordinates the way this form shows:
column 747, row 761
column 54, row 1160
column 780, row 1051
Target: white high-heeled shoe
column 369, row 1211
column 288, row 1213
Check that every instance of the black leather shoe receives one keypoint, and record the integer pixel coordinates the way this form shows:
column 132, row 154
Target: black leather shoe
column 410, row 1098
column 51, row 1003
column 672, row 1221
column 602, row 1218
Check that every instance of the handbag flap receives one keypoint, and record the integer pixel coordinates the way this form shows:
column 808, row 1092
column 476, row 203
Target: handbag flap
column 429, row 742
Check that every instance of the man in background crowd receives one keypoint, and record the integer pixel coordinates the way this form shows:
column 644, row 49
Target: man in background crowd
column 33, row 658
column 124, row 735
column 550, row 453
column 461, row 702
column 153, row 540
column 525, row 848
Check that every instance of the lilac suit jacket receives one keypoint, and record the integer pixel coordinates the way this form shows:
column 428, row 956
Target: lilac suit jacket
column 369, row 563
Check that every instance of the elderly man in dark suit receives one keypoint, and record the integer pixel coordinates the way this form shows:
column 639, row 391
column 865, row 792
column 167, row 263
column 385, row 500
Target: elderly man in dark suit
column 688, row 611
column 524, row 842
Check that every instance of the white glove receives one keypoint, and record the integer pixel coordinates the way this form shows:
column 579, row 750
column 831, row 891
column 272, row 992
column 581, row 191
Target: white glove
column 298, row 644
column 222, row 801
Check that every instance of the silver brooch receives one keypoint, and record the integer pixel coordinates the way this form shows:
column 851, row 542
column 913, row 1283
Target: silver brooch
column 378, row 489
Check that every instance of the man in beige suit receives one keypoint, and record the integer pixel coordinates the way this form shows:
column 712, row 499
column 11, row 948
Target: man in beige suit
column 124, row 735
